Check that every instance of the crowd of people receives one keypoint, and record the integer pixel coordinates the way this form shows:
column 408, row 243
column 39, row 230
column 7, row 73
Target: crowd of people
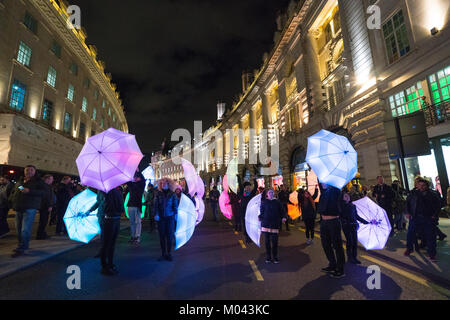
column 420, row 208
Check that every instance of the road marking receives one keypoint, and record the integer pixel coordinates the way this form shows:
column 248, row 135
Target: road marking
column 258, row 274
column 230, row 223
column 242, row 244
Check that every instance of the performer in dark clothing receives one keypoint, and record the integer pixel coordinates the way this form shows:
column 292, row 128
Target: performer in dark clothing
column 63, row 195
column 46, row 207
column 283, row 197
column 236, row 209
column 349, row 217
column 385, row 197
column 214, row 195
column 308, row 209
column 245, row 195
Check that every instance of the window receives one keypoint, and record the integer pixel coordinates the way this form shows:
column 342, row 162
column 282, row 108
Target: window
column 74, row 68
column 70, row 92
column 51, row 76
column 336, row 22
column 67, row 122
column 30, row 22
column 114, row 118
column 18, row 95
column 101, row 122
column 56, row 49
column 109, row 112
column 398, row 104
column 396, row 37
column 339, row 90
column 87, row 83
column 402, row 103
column 327, row 32
column 24, row 54
column 440, row 85
column 82, row 131
column 84, row 104
column 94, row 114
column 104, row 104
column 96, row 94
column 47, row 112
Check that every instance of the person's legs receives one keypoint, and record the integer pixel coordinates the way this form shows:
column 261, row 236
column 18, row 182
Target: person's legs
column 59, row 221
column 336, row 240
column 214, row 210
column 268, row 246
column 429, row 232
column 115, row 228
column 325, row 235
column 411, row 235
column 170, row 230
column 27, row 226
column 106, row 243
column 43, row 221
column 439, row 233
column 274, row 240
column 348, row 237
column 138, row 224
column 19, row 222
column 132, row 217
column 4, row 228
column 162, row 235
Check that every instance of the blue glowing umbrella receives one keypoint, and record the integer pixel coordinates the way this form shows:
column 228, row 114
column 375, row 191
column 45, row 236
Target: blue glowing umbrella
column 149, row 175
column 332, row 158
column 186, row 219
column 80, row 225
column 252, row 223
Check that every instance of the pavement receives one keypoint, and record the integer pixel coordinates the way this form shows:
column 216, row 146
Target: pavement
column 217, row 264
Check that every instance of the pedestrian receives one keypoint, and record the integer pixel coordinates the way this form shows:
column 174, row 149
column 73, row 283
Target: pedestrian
column 385, row 197
column 113, row 210
column 47, row 204
column 246, row 193
column 398, row 205
column 235, row 209
column 213, row 202
column 422, row 207
column 100, row 205
column 149, row 202
column 64, row 194
column 26, row 200
column 136, row 190
column 271, row 217
column 349, row 220
column 283, row 197
column 307, row 207
column 5, row 191
column 166, row 209
column 330, row 230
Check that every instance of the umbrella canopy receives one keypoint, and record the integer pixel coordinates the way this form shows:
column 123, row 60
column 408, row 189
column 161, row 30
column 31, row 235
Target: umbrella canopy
column 224, row 204
column 186, row 219
column 252, row 223
column 149, row 175
column 225, row 183
column 232, row 171
column 332, row 158
column 293, row 211
column 80, row 226
column 200, row 209
column 108, row 159
column 200, row 187
column 293, row 197
column 190, row 175
column 127, row 198
column 375, row 234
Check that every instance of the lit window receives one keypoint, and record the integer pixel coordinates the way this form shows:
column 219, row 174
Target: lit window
column 396, row 37
column 70, row 92
column 18, row 92
column 101, row 122
column 56, row 49
column 103, row 104
column 51, row 76
column 407, row 101
column 114, row 118
column 440, row 85
column 30, row 22
column 67, row 122
column 84, row 104
column 24, row 54
column 94, row 114
column 109, row 112
column 47, row 111
column 82, row 131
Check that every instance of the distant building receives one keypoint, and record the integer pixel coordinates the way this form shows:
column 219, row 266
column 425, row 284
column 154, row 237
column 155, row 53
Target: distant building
column 54, row 93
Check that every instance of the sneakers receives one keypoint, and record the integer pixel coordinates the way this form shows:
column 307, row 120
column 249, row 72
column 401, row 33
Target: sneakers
column 276, row 261
column 337, row 274
column 268, row 261
column 441, row 238
column 107, row 271
column 407, row 253
column 308, row 241
column 328, row 269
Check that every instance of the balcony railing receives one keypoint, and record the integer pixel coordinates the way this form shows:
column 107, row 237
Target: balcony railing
column 437, row 113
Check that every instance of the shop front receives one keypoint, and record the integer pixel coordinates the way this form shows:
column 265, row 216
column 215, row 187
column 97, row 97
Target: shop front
column 302, row 176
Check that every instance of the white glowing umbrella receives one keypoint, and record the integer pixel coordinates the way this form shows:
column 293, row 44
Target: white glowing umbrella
column 252, row 223
column 200, row 209
column 186, row 219
column 190, row 175
column 232, row 172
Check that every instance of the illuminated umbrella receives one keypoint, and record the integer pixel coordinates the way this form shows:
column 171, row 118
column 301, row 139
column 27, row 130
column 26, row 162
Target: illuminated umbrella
column 293, row 211
column 232, row 172
column 375, row 234
column 200, row 187
column 149, row 175
column 108, row 160
column 252, row 223
column 126, row 207
column 332, row 158
column 200, row 209
column 186, row 219
column 225, row 183
column 224, row 204
column 190, row 175
column 80, row 226
column 293, row 197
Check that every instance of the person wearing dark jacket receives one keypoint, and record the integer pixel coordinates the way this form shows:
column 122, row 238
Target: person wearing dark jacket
column 307, row 207
column 5, row 191
column 283, row 197
column 349, row 217
column 246, row 193
column 214, row 195
column 236, row 209
column 46, row 207
column 64, row 193
column 26, row 200
column 100, row 205
column 149, row 200
column 330, row 230
column 271, row 216
column 166, row 209
column 385, row 198
column 113, row 205
column 422, row 208
column 136, row 189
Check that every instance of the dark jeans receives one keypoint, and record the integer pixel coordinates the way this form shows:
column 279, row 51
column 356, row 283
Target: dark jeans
column 24, row 224
column 111, row 228
column 60, row 226
column 247, row 238
column 350, row 232
column 425, row 228
column 309, row 225
column 271, row 245
column 43, row 221
column 285, row 209
column 4, row 228
column 214, row 210
column 330, row 233
column 237, row 223
column 166, row 228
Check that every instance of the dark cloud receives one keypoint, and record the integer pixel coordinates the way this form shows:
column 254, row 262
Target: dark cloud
column 173, row 60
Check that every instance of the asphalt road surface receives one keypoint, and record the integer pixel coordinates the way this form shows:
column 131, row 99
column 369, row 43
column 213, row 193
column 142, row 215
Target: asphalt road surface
column 215, row 264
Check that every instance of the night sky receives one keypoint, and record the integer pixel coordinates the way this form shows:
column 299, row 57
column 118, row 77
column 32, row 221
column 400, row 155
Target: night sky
column 174, row 60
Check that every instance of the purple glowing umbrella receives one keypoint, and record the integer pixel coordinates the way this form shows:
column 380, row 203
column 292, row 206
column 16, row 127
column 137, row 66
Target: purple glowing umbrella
column 200, row 187
column 108, row 160
column 252, row 223
column 191, row 176
column 375, row 234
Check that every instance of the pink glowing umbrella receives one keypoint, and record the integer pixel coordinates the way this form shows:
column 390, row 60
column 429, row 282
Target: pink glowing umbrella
column 190, row 175
column 108, row 160
column 200, row 187
column 252, row 223
column 225, row 183
column 200, row 209
column 225, row 206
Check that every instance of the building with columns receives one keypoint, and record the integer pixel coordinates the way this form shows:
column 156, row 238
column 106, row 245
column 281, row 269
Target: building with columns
column 54, row 92
column 345, row 66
